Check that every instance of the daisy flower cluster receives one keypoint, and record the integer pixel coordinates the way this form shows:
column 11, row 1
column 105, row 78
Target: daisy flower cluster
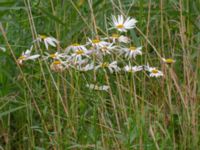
column 96, row 54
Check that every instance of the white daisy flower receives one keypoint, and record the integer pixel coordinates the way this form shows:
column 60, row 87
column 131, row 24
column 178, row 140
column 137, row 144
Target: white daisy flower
column 123, row 25
column 120, row 38
column 57, row 66
column 153, row 71
column 27, row 56
column 98, row 88
column 56, row 55
column 75, row 47
column 48, row 40
column 132, row 51
column 79, row 54
column 133, row 69
column 98, row 43
column 112, row 67
column 168, row 60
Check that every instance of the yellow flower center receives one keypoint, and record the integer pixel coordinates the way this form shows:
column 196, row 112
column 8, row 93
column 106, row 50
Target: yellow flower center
column 75, row 44
column 79, row 52
column 57, row 62
column 43, row 36
column 21, row 57
column 104, row 65
column 169, row 61
column 120, row 26
column 52, row 55
column 115, row 35
column 95, row 41
column 132, row 48
column 155, row 71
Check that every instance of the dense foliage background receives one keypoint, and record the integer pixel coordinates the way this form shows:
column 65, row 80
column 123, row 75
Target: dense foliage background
column 40, row 109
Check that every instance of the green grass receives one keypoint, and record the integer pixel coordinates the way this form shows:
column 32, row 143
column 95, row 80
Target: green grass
column 41, row 109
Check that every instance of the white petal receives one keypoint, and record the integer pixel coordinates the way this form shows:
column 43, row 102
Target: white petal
column 3, row 49
column 33, row 57
column 51, row 42
column 27, row 52
column 46, row 44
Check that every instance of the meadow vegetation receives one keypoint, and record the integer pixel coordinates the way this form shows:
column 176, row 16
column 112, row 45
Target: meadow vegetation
column 90, row 82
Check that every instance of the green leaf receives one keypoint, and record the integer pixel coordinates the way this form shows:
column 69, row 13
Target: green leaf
column 11, row 110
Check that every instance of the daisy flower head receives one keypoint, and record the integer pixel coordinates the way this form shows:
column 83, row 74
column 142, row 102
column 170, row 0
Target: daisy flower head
column 119, row 38
column 56, row 56
column 75, row 47
column 154, row 72
column 112, row 67
column 96, row 43
column 132, row 51
column 27, row 56
column 114, row 37
column 168, row 60
column 133, row 69
column 78, row 54
column 122, row 24
column 58, row 66
column 98, row 88
column 47, row 40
